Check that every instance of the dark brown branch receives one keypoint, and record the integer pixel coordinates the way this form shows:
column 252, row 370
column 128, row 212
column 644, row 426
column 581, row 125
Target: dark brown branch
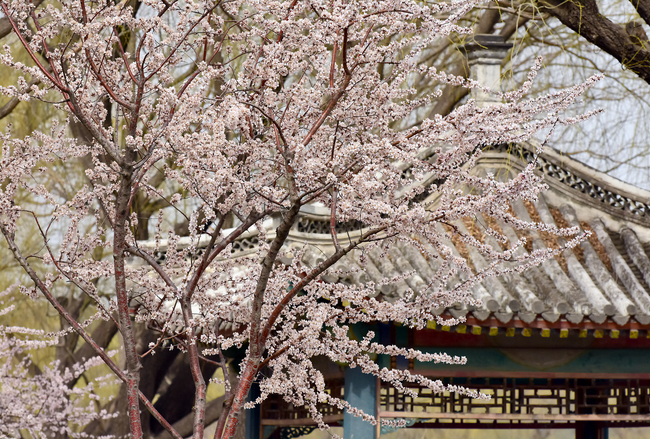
column 200, row 388
column 335, row 239
column 252, row 219
column 258, row 337
column 9, row 107
column 251, row 367
column 344, row 55
column 311, row 276
column 584, row 18
column 643, row 8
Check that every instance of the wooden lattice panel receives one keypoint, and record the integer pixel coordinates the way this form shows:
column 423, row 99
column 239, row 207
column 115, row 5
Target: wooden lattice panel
column 525, row 398
column 513, row 400
column 277, row 409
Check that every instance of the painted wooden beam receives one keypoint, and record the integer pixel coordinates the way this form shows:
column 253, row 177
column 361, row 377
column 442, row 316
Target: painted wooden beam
column 328, row 419
column 512, row 416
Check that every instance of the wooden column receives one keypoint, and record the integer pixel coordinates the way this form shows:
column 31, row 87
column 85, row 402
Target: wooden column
column 591, row 430
column 252, row 419
column 360, row 392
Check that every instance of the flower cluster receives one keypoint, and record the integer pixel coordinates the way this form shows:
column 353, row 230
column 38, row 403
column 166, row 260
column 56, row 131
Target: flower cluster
column 42, row 399
column 236, row 116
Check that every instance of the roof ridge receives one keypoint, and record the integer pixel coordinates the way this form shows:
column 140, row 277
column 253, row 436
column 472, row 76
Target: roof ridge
column 580, row 181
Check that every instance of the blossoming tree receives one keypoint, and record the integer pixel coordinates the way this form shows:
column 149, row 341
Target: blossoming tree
column 248, row 110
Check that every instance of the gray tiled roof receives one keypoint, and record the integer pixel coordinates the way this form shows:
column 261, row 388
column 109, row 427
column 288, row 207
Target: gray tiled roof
column 582, row 286
column 605, row 278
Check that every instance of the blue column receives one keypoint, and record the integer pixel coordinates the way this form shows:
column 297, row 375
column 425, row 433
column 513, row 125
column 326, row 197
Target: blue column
column 252, row 419
column 360, row 392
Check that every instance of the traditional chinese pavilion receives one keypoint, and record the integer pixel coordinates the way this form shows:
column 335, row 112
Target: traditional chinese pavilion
column 562, row 345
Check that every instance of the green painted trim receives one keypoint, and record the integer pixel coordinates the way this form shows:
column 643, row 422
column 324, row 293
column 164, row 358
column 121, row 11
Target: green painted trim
column 632, row 361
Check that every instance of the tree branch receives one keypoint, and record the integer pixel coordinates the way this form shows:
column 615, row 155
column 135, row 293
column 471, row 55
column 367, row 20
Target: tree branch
column 643, row 9
column 79, row 329
column 584, row 18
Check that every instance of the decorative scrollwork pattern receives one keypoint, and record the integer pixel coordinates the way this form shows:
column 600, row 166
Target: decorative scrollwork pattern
column 306, row 225
column 293, row 432
column 241, row 245
column 570, row 179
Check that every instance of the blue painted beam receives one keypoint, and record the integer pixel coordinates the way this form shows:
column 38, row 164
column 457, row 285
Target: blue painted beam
column 361, row 392
column 596, row 361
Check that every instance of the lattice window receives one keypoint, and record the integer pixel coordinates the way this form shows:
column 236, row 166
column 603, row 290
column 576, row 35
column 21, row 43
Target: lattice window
column 524, row 396
column 240, row 245
column 276, row 408
column 306, row 225
column 245, row 244
column 520, row 401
